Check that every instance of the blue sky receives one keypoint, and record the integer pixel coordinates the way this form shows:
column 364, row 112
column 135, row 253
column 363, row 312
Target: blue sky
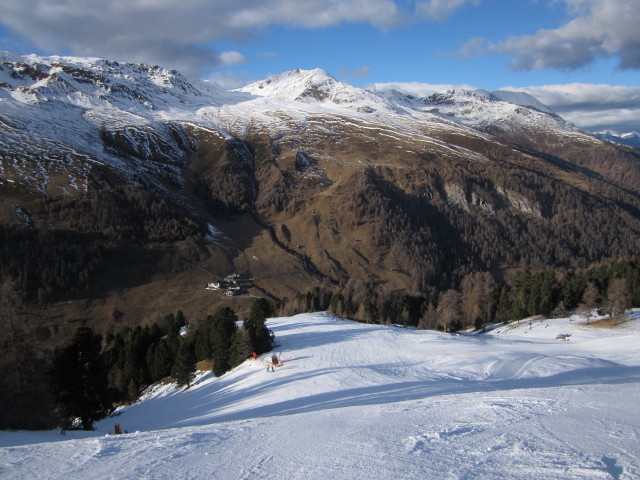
column 426, row 51
column 581, row 57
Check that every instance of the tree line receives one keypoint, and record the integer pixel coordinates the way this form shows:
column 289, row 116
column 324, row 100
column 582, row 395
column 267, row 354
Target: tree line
column 82, row 381
column 480, row 300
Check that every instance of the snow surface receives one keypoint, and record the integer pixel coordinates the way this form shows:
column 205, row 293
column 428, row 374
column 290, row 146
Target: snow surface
column 521, row 98
column 364, row 401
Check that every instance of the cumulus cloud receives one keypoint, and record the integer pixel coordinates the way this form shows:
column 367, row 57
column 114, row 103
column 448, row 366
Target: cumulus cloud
column 584, row 96
column 315, row 13
column 436, row 10
column 600, row 29
column 173, row 35
column 591, row 106
column 232, row 58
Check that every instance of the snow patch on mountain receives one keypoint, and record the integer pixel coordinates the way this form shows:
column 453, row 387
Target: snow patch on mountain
column 522, row 99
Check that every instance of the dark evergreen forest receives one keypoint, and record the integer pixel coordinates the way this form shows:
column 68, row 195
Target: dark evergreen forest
column 84, row 381
column 480, row 300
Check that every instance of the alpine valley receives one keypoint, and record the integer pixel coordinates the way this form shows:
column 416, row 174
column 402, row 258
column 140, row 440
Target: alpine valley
column 127, row 188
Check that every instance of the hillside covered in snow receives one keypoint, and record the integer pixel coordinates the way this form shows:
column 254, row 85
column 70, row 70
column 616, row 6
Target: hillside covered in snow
column 368, row 401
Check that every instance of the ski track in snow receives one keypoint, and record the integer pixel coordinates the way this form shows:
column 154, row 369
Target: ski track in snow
column 366, row 401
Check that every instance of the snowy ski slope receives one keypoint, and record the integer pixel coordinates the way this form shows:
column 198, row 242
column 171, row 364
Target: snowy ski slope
column 363, row 401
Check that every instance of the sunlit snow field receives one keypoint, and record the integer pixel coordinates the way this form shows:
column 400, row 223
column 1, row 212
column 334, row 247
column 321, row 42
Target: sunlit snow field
column 377, row 402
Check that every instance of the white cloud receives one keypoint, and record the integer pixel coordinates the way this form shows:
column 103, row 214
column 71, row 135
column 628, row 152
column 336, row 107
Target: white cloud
column 591, row 106
column 620, row 120
column 232, row 58
column 162, row 32
column 584, row 95
column 600, row 29
column 440, row 9
column 315, row 13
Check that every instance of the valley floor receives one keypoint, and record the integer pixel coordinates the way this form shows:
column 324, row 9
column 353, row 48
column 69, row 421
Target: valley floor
column 363, row 401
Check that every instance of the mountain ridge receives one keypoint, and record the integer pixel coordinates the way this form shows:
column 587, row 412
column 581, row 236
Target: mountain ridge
column 318, row 181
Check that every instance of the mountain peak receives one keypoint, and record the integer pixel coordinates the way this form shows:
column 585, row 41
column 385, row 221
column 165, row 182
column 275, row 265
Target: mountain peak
column 308, row 86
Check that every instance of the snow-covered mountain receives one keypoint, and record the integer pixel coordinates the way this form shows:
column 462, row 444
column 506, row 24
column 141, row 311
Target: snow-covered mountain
column 631, row 139
column 521, row 98
column 311, row 86
column 368, row 401
column 300, row 173
column 66, row 113
column 74, row 111
column 315, row 91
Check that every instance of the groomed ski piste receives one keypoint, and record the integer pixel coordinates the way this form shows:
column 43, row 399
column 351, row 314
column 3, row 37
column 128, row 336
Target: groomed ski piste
column 358, row 401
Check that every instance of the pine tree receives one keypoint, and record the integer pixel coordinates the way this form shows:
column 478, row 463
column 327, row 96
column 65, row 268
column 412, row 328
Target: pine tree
column 185, row 367
column 136, row 369
column 573, row 286
column 223, row 329
column 113, row 357
column 260, row 337
column 160, row 360
column 261, row 309
column 241, row 347
column 181, row 321
column 203, row 339
column 79, row 380
column 399, row 308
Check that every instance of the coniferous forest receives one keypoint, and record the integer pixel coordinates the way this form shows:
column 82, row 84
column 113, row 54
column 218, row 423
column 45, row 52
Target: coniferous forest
column 84, row 380
column 480, row 300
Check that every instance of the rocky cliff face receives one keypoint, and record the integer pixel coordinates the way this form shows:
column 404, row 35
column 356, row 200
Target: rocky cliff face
column 302, row 179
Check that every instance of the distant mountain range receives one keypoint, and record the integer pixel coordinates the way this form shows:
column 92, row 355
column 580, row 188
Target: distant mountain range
column 131, row 186
column 631, row 139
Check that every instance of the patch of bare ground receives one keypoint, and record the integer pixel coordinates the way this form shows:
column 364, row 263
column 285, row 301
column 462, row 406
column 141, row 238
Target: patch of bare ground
column 204, row 366
column 616, row 322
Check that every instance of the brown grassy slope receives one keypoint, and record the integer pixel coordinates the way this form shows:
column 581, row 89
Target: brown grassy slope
column 339, row 200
